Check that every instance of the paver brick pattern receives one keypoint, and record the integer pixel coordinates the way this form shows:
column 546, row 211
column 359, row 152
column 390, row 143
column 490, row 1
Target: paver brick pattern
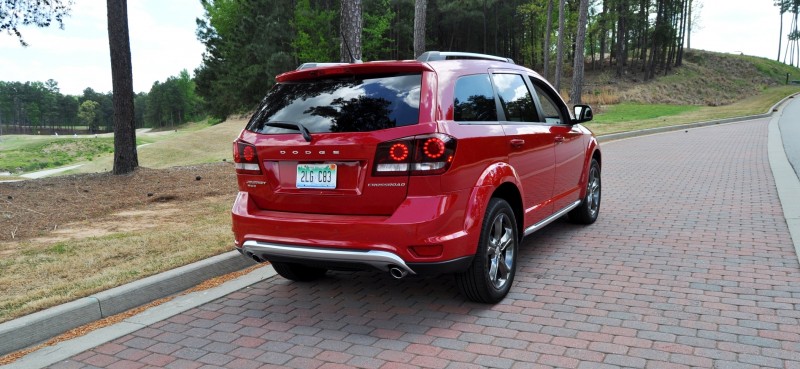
column 690, row 265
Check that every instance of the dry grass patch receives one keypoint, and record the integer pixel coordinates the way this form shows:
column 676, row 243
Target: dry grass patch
column 67, row 237
column 182, row 147
column 601, row 96
column 87, row 257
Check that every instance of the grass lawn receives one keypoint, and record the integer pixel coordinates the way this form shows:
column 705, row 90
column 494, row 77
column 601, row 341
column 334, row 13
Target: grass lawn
column 629, row 117
column 626, row 112
column 22, row 154
column 27, row 153
column 193, row 144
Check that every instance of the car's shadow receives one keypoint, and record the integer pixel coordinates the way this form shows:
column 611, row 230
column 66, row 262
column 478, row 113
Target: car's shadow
column 363, row 291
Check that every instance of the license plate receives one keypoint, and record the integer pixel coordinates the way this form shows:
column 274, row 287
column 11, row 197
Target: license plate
column 316, row 176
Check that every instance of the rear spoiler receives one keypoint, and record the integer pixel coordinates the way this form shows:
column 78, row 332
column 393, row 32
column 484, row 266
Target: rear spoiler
column 342, row 69
column 317, row 65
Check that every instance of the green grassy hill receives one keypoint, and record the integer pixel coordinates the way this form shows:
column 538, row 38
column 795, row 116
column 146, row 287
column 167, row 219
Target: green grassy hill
column 195, row 144
column 705, row 79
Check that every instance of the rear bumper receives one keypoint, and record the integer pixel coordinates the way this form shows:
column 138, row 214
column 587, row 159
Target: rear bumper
column 359, row 242
column 380, row 260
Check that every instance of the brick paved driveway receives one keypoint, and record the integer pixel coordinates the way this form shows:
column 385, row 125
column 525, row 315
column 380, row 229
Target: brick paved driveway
column 690, row 265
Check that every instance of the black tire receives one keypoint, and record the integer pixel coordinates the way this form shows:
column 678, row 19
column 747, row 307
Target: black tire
column 298, row 272
column 589, row 209
column 491, row 274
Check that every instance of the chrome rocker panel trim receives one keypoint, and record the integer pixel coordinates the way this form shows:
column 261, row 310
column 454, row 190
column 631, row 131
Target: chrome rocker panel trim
column 381, row 260
column 551, row 218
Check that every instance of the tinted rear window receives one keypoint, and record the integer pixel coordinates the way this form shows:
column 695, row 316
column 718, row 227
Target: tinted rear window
column 352, row 104
column 474, row 99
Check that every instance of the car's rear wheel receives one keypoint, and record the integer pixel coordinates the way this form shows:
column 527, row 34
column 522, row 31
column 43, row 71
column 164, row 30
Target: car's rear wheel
column 298, row 272
column 589, row 209
column 491, row 274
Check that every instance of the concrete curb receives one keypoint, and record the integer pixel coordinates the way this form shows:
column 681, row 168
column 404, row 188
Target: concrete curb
column 50, row 355
column 652, row 131
column 786, row 181
column 34, row 328
column 31, row 329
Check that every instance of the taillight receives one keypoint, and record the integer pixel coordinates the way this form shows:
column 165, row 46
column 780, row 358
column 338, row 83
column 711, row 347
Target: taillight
column 245, row 158
column 418, row 155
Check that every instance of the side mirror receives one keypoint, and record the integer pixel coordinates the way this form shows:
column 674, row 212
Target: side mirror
column 583, row 113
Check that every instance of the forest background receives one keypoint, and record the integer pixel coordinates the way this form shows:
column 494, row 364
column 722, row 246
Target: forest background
column 248, row 42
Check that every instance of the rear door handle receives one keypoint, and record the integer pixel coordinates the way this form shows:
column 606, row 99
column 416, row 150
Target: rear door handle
column 559, row 139
column 517, row 142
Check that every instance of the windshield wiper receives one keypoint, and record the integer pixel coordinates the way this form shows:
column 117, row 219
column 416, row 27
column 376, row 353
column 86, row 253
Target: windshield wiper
column 293, row 126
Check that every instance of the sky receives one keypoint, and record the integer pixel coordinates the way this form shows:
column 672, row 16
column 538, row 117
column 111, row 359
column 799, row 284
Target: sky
column 163, row 41
column 740, row 26
column 162, row 36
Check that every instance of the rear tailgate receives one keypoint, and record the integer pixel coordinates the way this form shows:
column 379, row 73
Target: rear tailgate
column 347, row 112
column 327, row 176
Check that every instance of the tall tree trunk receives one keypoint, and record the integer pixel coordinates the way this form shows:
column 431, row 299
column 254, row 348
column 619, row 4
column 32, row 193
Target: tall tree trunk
column 622, row 32
column 580, row 39
column 655, row 51
column 603, row 24
column 796, row 35
column 547, row 32
column 512, row 29
column 420, row 7
column 671, row 50
column 780, row 37
column 485, row 28
column 532, row 40
column 125, row 157
column 496, row 33
column 689, row 34
column 788, row 46
column 643, row 28
column 682, row 38
column 350, row 28
column 791, row 44
column 591, row 49
column 560, row 47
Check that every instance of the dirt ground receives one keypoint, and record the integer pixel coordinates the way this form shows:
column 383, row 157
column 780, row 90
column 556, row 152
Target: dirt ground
column 42, row 208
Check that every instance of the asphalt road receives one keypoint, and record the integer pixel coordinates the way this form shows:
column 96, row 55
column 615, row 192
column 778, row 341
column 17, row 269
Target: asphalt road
column 790, row 132
column 690, row 265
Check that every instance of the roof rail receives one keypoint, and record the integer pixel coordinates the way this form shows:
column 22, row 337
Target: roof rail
column 449, row 55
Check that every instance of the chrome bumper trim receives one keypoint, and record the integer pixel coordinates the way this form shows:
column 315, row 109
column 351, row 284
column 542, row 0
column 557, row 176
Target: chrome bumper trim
column 381, row 260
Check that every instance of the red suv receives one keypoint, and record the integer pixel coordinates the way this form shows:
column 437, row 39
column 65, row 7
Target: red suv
column 435, row 166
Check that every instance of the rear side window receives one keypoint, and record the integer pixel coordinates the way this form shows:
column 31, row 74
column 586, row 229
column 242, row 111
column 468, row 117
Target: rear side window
column 515, row 98
column 347, row 104
column 474, row 99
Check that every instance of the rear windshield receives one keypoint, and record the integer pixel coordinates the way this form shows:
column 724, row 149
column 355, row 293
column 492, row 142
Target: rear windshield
column 351, row 104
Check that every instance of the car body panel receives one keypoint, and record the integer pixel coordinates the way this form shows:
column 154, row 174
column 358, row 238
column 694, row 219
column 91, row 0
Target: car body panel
column 539, row 167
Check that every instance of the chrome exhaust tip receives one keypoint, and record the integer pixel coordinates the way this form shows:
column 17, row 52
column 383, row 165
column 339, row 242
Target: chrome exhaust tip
column 397, row 273
column 255, row 257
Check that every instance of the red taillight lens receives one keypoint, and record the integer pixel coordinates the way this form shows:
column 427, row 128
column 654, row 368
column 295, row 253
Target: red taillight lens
column 433, row 148
column 418, row 155
column 245, row 158
column 249, row 153
column 393, row 158
column 399, row 151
